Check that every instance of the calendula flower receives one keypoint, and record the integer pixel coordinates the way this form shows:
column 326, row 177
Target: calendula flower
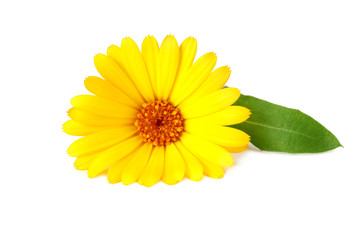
column 156, row 115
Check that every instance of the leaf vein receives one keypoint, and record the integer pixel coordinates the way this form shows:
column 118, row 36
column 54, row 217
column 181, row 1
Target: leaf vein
column 280, row 129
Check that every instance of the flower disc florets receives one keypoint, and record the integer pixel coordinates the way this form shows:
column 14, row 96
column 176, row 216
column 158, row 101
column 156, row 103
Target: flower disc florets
column 160, row 123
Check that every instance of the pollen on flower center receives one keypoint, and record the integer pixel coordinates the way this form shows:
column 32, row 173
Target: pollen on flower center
column 159, row 123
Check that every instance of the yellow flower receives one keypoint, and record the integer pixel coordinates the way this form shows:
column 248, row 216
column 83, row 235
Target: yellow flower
column 156, row 115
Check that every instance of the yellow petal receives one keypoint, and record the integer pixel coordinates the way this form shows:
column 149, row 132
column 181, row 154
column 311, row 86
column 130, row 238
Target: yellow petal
column 211, row 103
column 187, row 55
column 118, row 56
column 114, row 154
column 229, row 116
column 150, row 53
column 83, row 163
column 174, row 166
column 206, row 151
column 104, row 89
column 137, row 164
column 113, row 73
column 214, row 82
column 212, row 170
column 95, row 120
column 100, row 140
column 168, row 65
column 74, row 128
column 137, row 69
column 195, row 76
column 236, row 149
column 116, row 169
column 103, row 107
column 220, row 135
column 154, row 168
column 193, row 168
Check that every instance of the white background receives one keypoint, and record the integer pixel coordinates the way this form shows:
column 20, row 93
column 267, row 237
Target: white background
column 302, row 54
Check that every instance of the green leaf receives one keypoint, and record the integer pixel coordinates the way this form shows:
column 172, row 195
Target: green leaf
column 276, row 128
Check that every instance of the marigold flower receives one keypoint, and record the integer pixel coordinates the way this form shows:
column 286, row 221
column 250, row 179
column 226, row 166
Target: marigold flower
column 156, row 115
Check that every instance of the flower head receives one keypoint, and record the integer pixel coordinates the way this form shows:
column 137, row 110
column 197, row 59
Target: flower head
column 156, row 115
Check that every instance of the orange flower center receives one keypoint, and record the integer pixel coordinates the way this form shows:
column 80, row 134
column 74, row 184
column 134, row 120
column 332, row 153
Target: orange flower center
column 159, row 123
